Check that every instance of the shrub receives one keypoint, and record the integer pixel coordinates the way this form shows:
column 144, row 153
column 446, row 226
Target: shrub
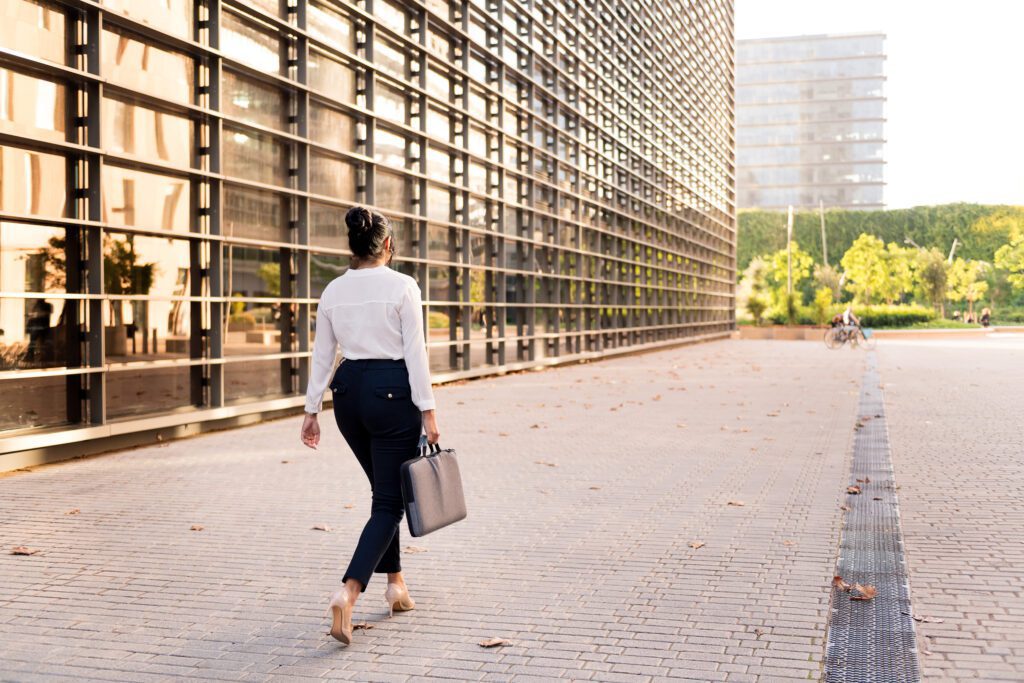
column 822, row 306
column 1007, row 316
column 756, row 307
column 870, row 316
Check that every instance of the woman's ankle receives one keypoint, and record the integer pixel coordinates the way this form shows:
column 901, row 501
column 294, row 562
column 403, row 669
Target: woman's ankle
column 396, row 578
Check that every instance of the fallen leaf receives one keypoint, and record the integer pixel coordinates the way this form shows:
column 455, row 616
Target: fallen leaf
column 929, row 620
column 494, row 642
column 72, row 512
column 922, row 644
column 196, row 527
column 845, row 508
column 362, row 626
column 866, row 592
column 865, row 480
column 788, row 543
column 321, row 527
column 681, row 425
column 534, row 426
column 759, row 632
column 414, row 549
column 349, row 506
column 595, row 488
column 284, row 462
column 854, row 490
column 837, row 582
column 502, row 433
column 549, row 464
column 696, row 544
column 876, row 498
column 736, row 503
column 22, row 550
column 657, row 398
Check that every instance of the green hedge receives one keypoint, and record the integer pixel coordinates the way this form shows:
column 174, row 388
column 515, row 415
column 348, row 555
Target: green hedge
column 870, row 316
column 1006, row 316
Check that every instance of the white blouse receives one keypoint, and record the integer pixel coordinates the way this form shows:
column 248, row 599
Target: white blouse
column 370, row 313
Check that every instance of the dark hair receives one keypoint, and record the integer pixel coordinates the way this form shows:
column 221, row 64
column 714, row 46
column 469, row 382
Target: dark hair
column 367, row 231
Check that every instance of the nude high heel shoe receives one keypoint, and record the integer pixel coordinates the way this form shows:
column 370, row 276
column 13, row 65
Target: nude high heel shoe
column 341, row 624
column 398, row 599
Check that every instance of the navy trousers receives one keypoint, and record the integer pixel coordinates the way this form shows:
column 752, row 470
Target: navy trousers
column 376, row 415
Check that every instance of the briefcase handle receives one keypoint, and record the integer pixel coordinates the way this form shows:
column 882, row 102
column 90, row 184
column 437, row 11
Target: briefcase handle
column 428, row 449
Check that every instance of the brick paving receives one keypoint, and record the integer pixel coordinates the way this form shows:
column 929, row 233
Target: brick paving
column 955, row 421
column 585, row 485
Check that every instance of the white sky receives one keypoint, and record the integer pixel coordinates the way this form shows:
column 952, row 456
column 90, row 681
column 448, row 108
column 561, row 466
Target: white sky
column 955, row 89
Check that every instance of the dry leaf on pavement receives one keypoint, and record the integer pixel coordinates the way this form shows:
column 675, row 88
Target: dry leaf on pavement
column 196, row 527
column 838, row 582
column 542, row 462
column 866, row 592
column 854, row 490
column 413, row 549
column 349, row 506
column 72, row 512
column 493, row 642
column 865, row 480
column 362, row 625
column 321, row 527
column 845, row 508
column 736, row 503
column 22, row 550
column 696, row 544
column 928, row 620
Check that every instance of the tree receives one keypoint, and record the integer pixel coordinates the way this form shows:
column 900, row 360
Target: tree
column 750, row 294
column 822, row 305
column 966, row 282
column 828, row 277
column 931, row 274
column 777, row 276
column 899, row 275
column 866, row 268
column 1010, row 257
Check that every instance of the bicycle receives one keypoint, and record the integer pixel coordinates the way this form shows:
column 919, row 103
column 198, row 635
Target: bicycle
column 837, row 336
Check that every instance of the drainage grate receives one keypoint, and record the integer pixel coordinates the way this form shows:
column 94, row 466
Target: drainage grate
column 873, row 641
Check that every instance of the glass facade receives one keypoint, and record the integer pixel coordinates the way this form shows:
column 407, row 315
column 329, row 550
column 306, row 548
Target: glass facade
column 560, row 175
column 809, row 122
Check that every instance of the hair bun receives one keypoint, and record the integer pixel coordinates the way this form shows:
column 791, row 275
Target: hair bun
column 358, row 219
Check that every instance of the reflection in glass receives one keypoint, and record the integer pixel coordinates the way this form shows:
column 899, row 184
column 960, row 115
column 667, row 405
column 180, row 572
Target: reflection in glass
column 253, row 327
column 33, row 402
column 254, row 156
column 34, row 333
column 32, row 107
column 330, row 25
column 32, row 259
column 328, row 75
column 393, row 191
column 249, row 100
column 327, row 226
column 142, row 199
column 250, row 43
column 256, row 214
column 331, row 177
column 33, row 182
column 132, row 129
column 322, row 269
column 142, row 66
column 389, row 102
column 253, row 272
column 253, row 379
column 331, row 127
column 153, row 390
column 152, row 269
column 172, row 16
column 34, row 28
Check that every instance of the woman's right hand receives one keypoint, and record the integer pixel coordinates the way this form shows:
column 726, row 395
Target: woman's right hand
column 430, row 426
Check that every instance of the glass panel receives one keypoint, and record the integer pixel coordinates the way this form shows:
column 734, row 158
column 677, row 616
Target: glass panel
column 252, row 101
column 322, row 269
column 329, row 75
column 390, row 58
column 327, row 226
column 331, row 177
column 33, row 28
column 171, row 16
column 132, row 129
column 389, row 148
column 331, row 26
column 30, row 106
column 254, row 156
column 253, row 379
column 331, row 127
column 269, row 6
column 140, row 66
column 144, row 199
column 250, row 43
column 32, row 259
column 438, row 164
column 154, row 390
column 438, row 203
column 438, row 240
column 34, row 333
column 389, row 102
column 392, row 191
column 253, row 327
column 24, row 189
column 256, row 214
column 149, row 329
column 252, row 272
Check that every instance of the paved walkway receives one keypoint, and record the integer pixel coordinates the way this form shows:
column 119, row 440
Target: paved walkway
column 956, row 416
column 586, row 486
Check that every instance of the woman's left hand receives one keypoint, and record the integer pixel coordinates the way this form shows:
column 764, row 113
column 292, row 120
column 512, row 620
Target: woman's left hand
column 310, row 434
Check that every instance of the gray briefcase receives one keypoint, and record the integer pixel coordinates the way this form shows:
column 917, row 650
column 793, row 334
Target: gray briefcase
column 432, row 489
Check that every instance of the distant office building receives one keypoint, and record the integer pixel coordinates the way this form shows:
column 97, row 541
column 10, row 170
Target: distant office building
column 175, row 175
column 809, row 122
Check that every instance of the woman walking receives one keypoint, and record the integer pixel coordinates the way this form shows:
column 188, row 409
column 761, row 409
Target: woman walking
column 382, row 397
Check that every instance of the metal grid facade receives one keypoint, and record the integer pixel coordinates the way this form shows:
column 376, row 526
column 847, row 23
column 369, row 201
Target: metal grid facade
column 176, row 172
